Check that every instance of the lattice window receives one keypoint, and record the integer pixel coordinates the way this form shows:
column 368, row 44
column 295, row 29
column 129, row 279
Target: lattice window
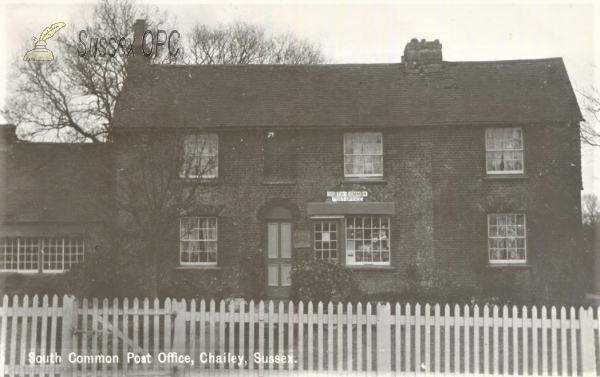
column 198, row 241
column 60, row 254
column 24, row 254
column 326, row 240
column 507, row 238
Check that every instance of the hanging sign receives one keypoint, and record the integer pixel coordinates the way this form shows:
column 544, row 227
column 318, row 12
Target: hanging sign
column 347, row 196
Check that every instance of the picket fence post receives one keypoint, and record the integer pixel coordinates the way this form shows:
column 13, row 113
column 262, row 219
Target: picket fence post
column 179, row 336
column 588, row 352
column 384, row 343
column 68, row 336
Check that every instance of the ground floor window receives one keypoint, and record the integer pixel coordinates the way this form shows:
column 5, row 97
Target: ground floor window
column 198, row 241
column 368, row 237
column 507, row 238
column 363, row 240
column 326, row 240
column 46, row 254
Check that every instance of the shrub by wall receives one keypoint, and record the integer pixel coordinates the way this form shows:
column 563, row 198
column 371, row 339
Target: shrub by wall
column 321, row 280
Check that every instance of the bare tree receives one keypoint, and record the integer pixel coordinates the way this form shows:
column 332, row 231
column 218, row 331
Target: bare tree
column 590, row 209
column 244, row 43
column 73, row 98
column 590, row 131
column 158, row 177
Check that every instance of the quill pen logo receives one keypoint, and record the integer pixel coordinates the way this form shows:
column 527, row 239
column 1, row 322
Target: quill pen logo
column 40, row 53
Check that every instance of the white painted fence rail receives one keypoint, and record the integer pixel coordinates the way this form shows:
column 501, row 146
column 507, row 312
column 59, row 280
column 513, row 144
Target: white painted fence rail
column 106, row 338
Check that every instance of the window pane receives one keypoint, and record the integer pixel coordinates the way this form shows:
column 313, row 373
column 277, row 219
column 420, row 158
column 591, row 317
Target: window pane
column 273, row 249
column 363, row 154
column 200, row 156
column 286, row 240
column 504, row 150
column 198, row 243
column 325, row 236
column 54, row 254
column 273, row 275
column 506, row 240
column 285, row 275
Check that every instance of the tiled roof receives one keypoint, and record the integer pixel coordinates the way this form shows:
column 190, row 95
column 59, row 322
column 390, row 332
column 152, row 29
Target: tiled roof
column 53, row 182
column 522, row 91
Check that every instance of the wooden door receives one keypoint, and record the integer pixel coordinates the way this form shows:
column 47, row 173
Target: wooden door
column 279, row 259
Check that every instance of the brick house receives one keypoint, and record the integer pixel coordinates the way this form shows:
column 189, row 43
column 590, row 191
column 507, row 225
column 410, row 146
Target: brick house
column 424, row 174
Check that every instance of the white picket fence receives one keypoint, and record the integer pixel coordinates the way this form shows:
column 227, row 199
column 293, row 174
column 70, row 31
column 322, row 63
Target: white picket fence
column 180, row 337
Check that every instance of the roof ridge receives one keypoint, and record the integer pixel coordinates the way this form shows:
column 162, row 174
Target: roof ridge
column 486, row 62
column 347, row 65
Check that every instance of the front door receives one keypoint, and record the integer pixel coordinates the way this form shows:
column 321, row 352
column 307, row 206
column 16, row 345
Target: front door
column 279, row 259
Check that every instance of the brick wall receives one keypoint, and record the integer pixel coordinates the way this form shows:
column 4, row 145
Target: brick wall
column 436, row 178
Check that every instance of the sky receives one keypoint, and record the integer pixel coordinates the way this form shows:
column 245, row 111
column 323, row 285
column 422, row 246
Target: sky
column 364, row 33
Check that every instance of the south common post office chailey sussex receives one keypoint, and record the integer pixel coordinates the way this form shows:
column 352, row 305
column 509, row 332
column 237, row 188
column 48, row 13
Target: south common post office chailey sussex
column 466, row 171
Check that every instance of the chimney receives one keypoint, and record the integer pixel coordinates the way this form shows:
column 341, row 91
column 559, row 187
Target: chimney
column 139, row 28
column 423, row 56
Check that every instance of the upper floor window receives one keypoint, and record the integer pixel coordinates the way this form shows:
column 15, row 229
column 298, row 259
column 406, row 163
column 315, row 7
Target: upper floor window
column 279, row 162
column 200, row 156
column 198, row 241
column 40, row 254
column 504, row 150
column 363, row 154
column 506, row 238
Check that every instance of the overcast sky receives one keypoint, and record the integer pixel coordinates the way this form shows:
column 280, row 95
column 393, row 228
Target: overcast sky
column 361, row 33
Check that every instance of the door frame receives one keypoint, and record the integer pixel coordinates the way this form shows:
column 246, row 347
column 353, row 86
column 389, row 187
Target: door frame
column 279, row 215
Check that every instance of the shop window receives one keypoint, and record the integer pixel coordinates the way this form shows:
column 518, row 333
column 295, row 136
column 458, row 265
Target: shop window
column 368, row 240
column 364, row 240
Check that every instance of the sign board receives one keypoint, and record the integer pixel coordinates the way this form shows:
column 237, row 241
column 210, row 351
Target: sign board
column 301, row 239
column 347, row 196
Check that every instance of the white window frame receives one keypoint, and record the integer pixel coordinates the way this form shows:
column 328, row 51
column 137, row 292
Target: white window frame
column 524, row 237
column 363, row 175
column 202, row 141
column 338, row 241
column 75, row 245
column 351, row 260
column 214, row 240
column 489, row 151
